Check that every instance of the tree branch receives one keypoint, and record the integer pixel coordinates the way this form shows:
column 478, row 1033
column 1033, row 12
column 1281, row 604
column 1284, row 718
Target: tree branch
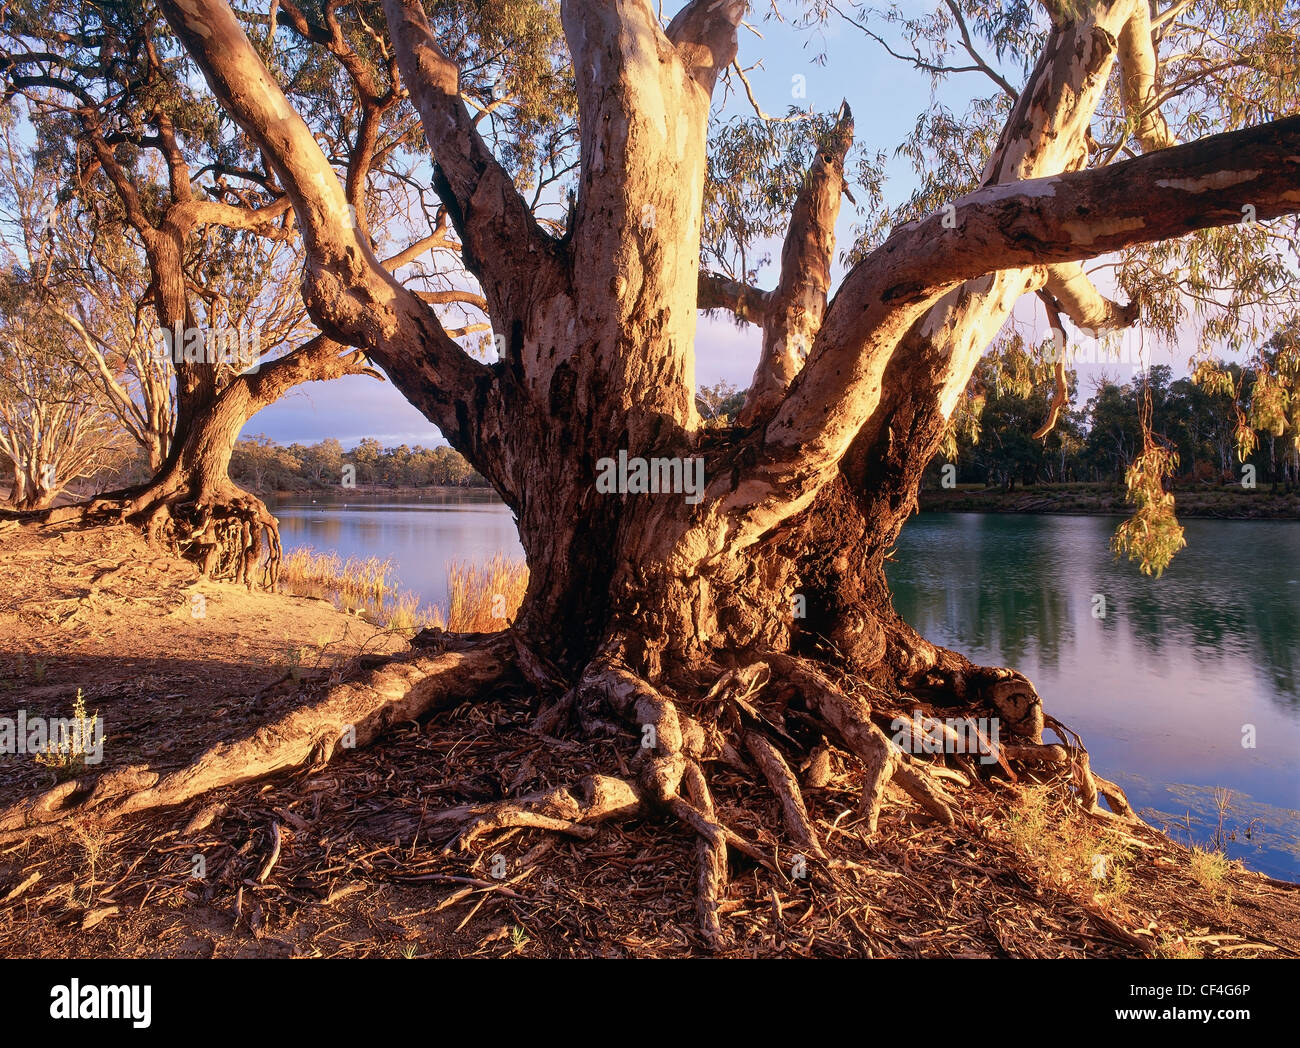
column 435, row 240
column 1061, row 394
column 1063, row 218
column 976, row 57
column 454, row 295
column 795, row 309
column 265, row 221
column 718, row 292
column 346, row 289
column 1088, row 308
column 704, row 33
column 1047, row 132
column 317, row 360
column 504, row 247
column 1137, row 66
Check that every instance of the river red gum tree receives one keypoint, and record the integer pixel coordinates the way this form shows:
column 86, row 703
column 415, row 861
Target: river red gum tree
column 670, row 620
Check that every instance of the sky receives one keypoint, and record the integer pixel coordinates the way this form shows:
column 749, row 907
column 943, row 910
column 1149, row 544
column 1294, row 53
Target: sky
column 886, row 97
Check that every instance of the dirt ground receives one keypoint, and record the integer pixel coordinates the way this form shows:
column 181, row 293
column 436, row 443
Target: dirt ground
column 172, row 663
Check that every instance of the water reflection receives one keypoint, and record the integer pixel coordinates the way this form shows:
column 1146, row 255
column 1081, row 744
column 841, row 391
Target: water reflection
column 421, row 535
column 1012, row 586
column 1174, row 682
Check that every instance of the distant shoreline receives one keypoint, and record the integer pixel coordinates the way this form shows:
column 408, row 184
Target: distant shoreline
column 369, row 489
column 1102, row 500
column 1084, row 499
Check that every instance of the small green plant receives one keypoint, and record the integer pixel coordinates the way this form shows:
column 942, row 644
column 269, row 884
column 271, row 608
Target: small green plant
column 1027, row 819
column 1176, row 948
column 518, row 937
column 294, row 661
column 1209, row 868
column 67, row 754
column 1114, row 873
column 408, row 951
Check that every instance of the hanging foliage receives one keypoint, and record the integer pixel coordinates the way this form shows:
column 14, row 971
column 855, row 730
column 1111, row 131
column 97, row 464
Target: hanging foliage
column 1152, row 535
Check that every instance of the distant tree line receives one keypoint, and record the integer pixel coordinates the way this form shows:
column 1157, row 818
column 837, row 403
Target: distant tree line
column 261, row 464
column 1218, row 421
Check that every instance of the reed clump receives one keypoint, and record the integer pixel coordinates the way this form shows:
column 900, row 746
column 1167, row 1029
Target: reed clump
column 483, row 597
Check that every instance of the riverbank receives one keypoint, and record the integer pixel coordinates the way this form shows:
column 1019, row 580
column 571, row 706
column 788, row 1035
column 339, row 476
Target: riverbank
column 1222, row 503
column 336, row 861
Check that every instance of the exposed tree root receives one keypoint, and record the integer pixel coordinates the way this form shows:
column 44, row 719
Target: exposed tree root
column 227, row 531
column 850, row 718
column 786, row 787
column 710, row 856
column 676, row 748
column 744, row 722
column 350, row 714
column 571, row 811
column 1072, row 755
column 225, row 535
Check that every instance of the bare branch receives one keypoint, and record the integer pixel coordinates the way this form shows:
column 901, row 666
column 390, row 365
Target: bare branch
column 316, row 360
column 396, row 328
column 442, row 298
column 1078, row 299
column 504, row 245
column 1061, row 396
column 266, row 221
column 976, row 57
column 749, row 92
column 717, row 292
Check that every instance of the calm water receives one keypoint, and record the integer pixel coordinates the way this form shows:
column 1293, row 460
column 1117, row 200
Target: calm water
column 420, row 535
column 1162, row 688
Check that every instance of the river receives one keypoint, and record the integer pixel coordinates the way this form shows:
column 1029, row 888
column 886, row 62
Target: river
column 1178, row 685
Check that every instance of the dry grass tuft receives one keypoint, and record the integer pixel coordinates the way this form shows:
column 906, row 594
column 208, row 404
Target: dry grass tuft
column 1208, row 868
column 1070, row 853
column 304, row 570
column 483, row 598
